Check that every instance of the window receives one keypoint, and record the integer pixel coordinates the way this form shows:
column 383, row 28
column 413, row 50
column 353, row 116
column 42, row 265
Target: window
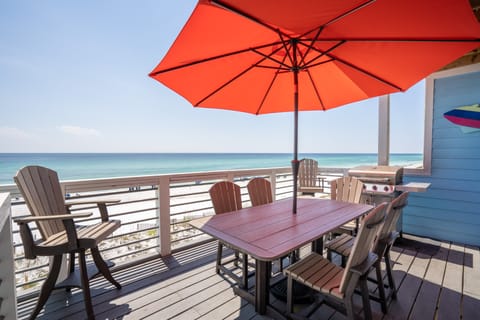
column 407, row 127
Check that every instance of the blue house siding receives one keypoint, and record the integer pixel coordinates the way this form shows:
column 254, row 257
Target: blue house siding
column 450, row 209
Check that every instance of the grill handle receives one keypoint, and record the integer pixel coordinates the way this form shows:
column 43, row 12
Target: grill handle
column 374, row 180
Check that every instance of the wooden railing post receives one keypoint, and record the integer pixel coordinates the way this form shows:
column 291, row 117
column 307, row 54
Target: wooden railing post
column 163, row 196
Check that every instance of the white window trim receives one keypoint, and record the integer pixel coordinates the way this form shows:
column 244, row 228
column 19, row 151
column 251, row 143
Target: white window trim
column 429, row 91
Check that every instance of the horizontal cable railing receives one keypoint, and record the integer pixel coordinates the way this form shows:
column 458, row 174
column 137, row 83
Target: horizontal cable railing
column 154, row 212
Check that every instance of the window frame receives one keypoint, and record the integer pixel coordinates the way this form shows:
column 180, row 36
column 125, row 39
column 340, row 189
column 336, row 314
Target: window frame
column 426, row 170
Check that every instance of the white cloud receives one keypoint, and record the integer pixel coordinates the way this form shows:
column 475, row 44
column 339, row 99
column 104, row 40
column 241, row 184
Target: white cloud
column 13, row 133
column 79, row 131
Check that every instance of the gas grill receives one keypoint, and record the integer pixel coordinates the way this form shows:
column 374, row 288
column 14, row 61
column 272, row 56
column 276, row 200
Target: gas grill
column 379, row 181
column 379, row 184
column 383, row 184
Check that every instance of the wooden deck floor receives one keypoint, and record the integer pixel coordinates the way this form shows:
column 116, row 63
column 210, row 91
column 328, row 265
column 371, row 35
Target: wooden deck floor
column 436, row 280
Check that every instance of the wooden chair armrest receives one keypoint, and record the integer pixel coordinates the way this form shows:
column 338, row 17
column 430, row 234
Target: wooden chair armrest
column 29, row 243
column 366, row 265
column 101, row 204
column 53, row 217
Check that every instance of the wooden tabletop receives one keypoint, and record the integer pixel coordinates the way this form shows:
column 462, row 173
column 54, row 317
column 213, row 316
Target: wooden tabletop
column 271, row 231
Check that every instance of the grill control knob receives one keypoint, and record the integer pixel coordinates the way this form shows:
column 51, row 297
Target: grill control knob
column 386, row 189
column 374, row 188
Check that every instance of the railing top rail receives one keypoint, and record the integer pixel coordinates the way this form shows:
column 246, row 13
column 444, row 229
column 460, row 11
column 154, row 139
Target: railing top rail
column 95, row 184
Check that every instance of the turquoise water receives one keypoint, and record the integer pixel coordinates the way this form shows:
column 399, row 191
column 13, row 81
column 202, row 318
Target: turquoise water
column 72, row 166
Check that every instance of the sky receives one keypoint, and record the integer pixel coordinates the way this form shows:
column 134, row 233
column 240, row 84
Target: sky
column 74, row 78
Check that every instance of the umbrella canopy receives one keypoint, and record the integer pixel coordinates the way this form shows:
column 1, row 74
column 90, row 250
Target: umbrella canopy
column 289, row 55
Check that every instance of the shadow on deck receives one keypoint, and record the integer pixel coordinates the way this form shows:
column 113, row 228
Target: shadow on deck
column 436, row 280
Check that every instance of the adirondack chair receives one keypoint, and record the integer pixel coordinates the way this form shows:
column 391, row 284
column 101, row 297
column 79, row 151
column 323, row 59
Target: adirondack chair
column 259, row 191
column 41, row 190
column 343, row 245
column 226, row 197
column 335, row 283
column 347, row 189
column 308, row 180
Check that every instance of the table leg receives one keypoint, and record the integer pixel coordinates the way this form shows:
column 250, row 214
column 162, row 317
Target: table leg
column 317, row 245
column 262, row 282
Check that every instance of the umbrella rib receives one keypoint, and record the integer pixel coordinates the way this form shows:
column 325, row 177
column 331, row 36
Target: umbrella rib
column 287, row 49
column 155, row 73
column 225, row 84
column 341, row 16
column 396, row 39
column 316, row 90
column 371, row 75
column 228, row 7
column 320, row 63
column 332, row 57
column 269, row 57
column 322, row 53
column 275, row 68
column 257, row 64
column 309, row 47
column 349, row 12
column 267, row 91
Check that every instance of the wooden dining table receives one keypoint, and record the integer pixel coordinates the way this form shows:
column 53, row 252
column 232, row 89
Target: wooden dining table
column 271, row 231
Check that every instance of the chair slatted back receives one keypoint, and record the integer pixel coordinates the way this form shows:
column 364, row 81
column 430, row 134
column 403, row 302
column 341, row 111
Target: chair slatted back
column 43, row 195
column 393, row 214
column 307, row 173
column 348, row 189
column 226, row 197
column 364, row 241
column 260, row 191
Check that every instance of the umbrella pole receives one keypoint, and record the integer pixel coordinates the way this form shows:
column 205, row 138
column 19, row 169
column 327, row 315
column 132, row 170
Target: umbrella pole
column 295, row 162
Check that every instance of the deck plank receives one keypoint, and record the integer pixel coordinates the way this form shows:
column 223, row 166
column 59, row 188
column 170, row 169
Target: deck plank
column 471, row 273
column 471, row 284
column 449, row 304
column 429, row 275
column 400, row 308
column 426, row 303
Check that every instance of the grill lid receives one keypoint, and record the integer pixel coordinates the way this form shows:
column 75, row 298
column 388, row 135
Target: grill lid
column 392, row 175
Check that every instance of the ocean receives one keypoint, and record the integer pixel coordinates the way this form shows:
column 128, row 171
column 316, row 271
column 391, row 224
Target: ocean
column 72, row 166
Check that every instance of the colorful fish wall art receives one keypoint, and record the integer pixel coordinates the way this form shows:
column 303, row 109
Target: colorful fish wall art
column 466, row 117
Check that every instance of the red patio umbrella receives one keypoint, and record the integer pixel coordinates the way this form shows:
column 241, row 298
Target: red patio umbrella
column 289, row 55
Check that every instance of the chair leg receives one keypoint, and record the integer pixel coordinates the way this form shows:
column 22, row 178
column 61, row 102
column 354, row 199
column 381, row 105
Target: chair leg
column 85, row 285
column 219, row 257
column 349, row 307
column 48, row 285
column 381, row 288
column 71, row 267
column 71, row 262
column 367, row 310
column 289, row 295
column 391, row 281
column 329, row 255
column 103, row 267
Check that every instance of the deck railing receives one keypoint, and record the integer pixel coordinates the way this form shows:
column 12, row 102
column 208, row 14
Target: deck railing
column 154, row 211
